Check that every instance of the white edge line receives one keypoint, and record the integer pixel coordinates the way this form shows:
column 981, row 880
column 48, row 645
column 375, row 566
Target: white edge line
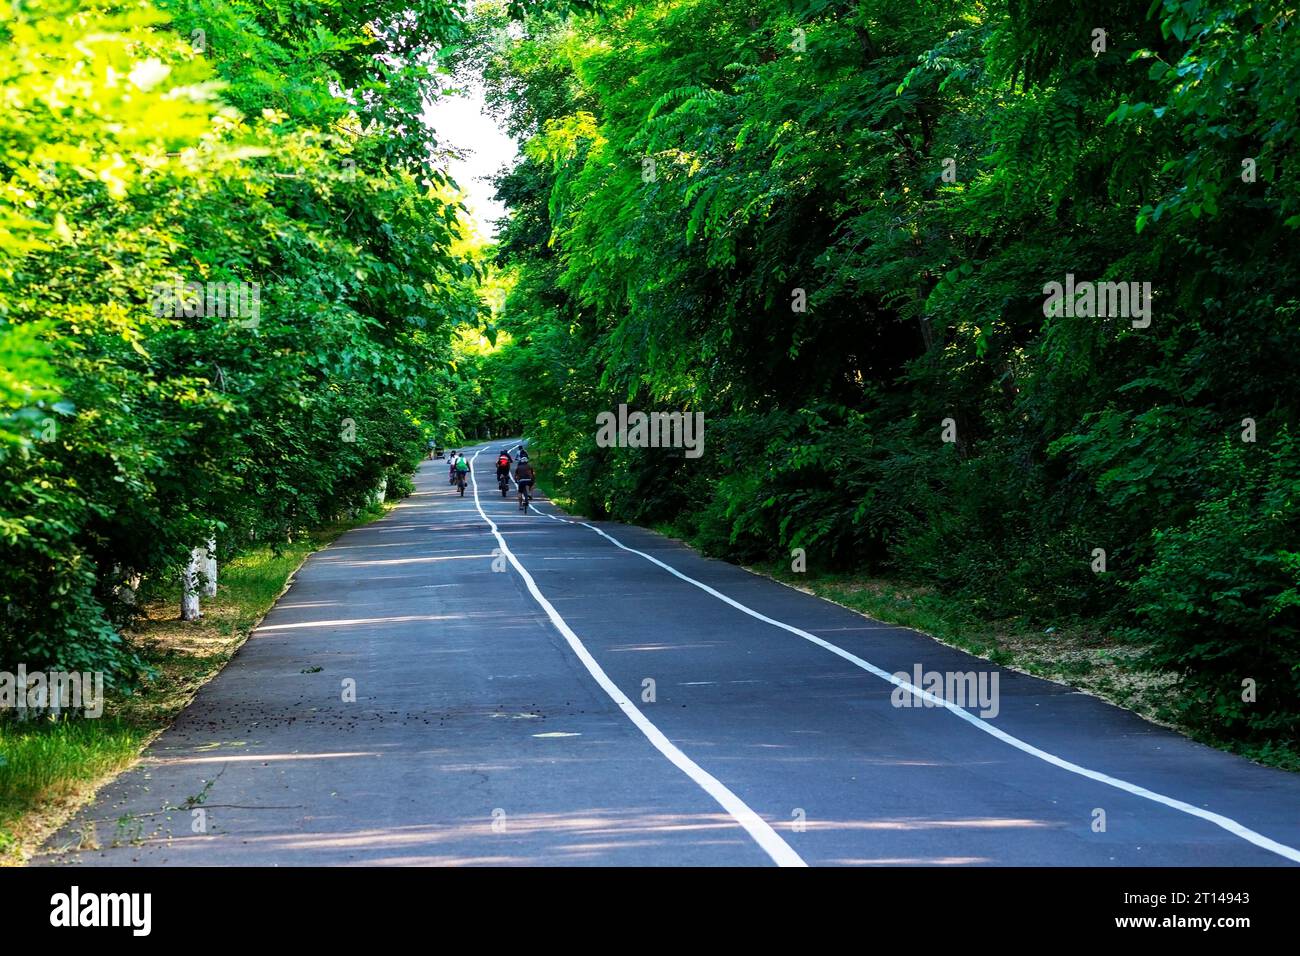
column 1227, row 823
column 771, row 843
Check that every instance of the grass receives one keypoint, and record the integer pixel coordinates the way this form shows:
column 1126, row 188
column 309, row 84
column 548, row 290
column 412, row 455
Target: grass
column 50, row 768
column 46, row 768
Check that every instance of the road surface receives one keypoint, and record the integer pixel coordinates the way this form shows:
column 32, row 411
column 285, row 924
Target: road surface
column 531, row 689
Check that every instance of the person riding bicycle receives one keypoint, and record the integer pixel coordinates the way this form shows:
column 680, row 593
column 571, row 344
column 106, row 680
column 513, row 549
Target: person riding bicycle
column 462, row 468
column 451, row 467
column 503, row 464
column 525, row 477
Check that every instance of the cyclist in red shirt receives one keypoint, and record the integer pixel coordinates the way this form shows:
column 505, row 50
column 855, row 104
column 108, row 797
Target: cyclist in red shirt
column 504, row 462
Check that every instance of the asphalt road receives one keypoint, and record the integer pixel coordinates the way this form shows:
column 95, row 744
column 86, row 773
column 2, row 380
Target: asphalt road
column 531, row 689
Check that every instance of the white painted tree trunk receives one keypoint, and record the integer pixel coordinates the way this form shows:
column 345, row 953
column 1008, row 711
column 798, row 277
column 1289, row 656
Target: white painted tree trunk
column 190, row 585
column 210, row 569
column 381, row 491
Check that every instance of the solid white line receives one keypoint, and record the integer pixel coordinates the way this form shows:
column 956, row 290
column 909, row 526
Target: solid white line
column 1227, row 823
column 758, row 828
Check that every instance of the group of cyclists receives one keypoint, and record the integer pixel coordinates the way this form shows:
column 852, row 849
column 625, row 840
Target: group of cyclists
column 525, row 477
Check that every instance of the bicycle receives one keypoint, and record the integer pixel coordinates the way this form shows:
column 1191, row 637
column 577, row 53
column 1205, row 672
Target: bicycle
column 503, row 482
column 525, row 494
column 460, row 482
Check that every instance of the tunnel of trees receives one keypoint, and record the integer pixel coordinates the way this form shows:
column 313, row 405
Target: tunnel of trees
column 832, row 227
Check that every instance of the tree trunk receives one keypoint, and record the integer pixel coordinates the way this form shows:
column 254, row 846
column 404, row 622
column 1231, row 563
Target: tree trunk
column 190, row 585
column 210, row 569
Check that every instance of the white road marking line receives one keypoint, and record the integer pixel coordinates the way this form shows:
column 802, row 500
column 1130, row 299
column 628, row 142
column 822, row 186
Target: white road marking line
column 1227, row 823
column 758, row 828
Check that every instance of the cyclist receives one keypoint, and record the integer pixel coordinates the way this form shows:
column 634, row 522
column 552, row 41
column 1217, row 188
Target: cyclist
column 524, row 476
column 451, row 467
column 503, row 463
column 462, row 470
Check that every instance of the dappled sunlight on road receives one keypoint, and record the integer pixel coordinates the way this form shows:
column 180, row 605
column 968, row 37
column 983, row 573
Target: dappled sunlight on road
column 432, row 559
column 525, row 838
column 258, row 758
column 664, row 647
column 366, row 547
column 914, row 861
column 903, row 824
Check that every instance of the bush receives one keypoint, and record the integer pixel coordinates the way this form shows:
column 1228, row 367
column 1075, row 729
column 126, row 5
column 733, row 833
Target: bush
column 1220, row 599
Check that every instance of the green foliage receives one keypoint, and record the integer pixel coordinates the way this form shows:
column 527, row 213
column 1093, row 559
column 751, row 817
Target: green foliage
column 1221, row 595
column 149, row 145
column 921, row 171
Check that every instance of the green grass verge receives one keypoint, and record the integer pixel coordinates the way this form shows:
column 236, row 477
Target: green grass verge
column 49, row 768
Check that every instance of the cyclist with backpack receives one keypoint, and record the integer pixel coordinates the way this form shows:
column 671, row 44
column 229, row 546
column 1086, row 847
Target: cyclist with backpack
column 525, row 477
column 460, row 472
column 503, row 471
column 504, row 461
